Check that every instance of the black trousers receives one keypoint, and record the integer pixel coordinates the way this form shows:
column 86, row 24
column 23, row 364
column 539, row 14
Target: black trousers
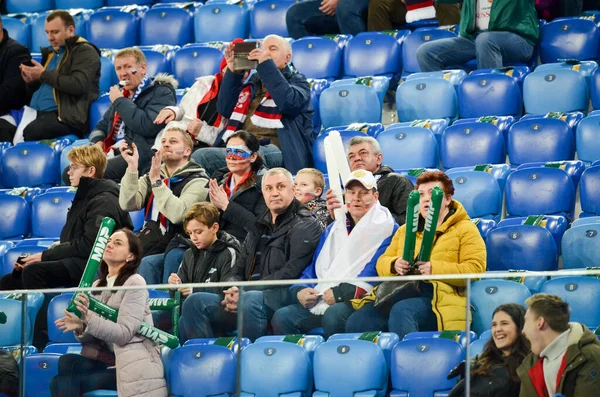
column 45, row 126
column 78, row 375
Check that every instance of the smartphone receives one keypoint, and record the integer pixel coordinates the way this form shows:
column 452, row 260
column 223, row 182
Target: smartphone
column 129, row 142
column 21, row 257
column 240, row 56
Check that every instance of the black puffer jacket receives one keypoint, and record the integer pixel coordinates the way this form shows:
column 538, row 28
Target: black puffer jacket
column 393, row 191
column 94, row 200
column 76, row 81
column 498, row 383
column 294, row 239
column 211, row 265
column 13, row 94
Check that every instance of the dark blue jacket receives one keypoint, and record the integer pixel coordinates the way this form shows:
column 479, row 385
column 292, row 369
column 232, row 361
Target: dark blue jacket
column 291, row 92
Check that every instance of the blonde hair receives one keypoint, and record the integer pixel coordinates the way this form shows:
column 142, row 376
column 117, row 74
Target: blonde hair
column 203, row 212
column 139, row 56
column 317, row 176
column 187, row 139
column 89, row 156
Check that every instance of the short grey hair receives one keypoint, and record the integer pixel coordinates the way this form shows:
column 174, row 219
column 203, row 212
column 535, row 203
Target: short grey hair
column 357, row 140
column 277, row 171
column 285, row 45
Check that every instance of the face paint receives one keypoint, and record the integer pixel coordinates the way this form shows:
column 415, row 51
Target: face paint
column 179, row 151
column 238, row 153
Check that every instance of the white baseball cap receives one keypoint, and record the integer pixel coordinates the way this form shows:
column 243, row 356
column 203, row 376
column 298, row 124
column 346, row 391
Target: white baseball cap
column 365, row 178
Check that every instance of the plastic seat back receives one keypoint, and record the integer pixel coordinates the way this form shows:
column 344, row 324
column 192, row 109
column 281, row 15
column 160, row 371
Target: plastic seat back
column 581, row 293
column 580, row 247
column 521, row 247
column 49, row 213
column 540, row 140
column 478, row 192
column 408, row 147
column 560, row 90
column 426, row 98
column 318, row 57
column 471, row 144
column 489, row 95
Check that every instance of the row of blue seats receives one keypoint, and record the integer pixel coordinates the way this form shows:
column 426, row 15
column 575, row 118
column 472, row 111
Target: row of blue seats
column 21, row 6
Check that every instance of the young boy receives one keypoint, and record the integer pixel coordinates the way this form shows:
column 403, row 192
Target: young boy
column 309, row 183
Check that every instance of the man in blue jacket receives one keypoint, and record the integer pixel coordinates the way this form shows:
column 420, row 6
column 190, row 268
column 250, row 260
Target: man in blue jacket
column 274, row 105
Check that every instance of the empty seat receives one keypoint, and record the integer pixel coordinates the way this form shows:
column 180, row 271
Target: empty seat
column 585, row 68
column 21, row 6
column 580, row 246
column 426, row 98
column 158, row 58
column 540, row 140
column 489, row 95
column 67, row 4
column 503, row 123
column 220, row 22
column 308, row 342
column 479, row 193
column 487, row 295
column 459, row 337
column 10, row 257
column 268, row 17
column 40, row 369
column 472, row 144
column 318, row 57
column 569, row 39
column 521, row 247
column 115, row 27
column 589, row 192
column 555, row 224
column 437, row 126
column 349, row 104
column 97, row 110
column 194, row 61
column 379, row 83
column 499, row 171
column 539, row 191
column 233, row 344
column 202, row 371
column 319, row 150
column 29, row 164
column 518, row 73
column 180, row 22
column 592, row 220
column 10, row 327
column 484, row 226
column 420, row 366
column 408, row 147
column 385, row 340
column 560, row 90
column 586, row 139
column 383, row 51
column 15, row 216
column 49, row 213
column 582, row 294
column 573, row 168
column 17, row 29
column 414, row 40
column 340, row 370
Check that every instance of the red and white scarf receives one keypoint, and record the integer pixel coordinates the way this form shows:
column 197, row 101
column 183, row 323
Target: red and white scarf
column 266, row 114
column 419, row 9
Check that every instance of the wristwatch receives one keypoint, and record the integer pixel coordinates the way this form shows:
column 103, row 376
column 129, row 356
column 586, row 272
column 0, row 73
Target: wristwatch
column 157, row 183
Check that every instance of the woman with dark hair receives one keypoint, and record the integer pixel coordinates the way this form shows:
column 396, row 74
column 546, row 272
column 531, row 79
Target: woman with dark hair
column 494, row 371
column 139, row 369
column 238, row 194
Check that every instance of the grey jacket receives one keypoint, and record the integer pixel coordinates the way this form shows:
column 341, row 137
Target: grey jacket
column 139, row 367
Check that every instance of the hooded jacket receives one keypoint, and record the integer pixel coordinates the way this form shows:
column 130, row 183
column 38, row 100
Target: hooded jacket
column 581, row 377
column 139, row 116
column 210, row 265
column 13, row 94
column 75, row 82
column 94, row 200
column 393, row 191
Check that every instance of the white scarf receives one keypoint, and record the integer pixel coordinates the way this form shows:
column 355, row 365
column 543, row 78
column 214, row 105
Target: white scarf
column 345, row 255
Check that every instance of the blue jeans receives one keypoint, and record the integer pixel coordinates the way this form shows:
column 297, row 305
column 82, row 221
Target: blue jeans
column 305, row 18
column 203, row 316
column 296, row 319
column 211, row 159
column 156, row 269
column 492, row 50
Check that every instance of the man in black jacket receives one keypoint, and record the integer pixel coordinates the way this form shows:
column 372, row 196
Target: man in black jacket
column 279, row 245
column 13, row 94
column 364, row 153
column 63, row 85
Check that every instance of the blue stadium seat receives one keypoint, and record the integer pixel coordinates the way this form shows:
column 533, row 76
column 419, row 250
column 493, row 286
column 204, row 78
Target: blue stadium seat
column 499, row 171
column 592, row 220
column 49, row 213
column 235, row 345
column 115, row 27
column 383, row 51
column 420, row 367
column 274, row 369
column 67, row 4
column 56, row 310
column 317, row 86
column 586, row 139
column 479, row 193
column 581, row 293
column 29, row 164
column 268, row 17
column 37, row 241
column 385, row 340
column 521, row 247
column 590, row 186
column 349, row 104
column 460, row 338
column 555, row 224
column 485, row 226
column 539, row 191
column 437, row 126
column 308, row 342
column 585, row 68
column 560, row 90
column 471, row 144
column 21, row 6
column 97, row 110
column 318, row 57
column 477, row 347
column 571, row 118
column 408, row 147
column 16, row 351
column 202, row 371
column 340, row 370
column 137, row 218
column 518, row 73
column 454, row 76
column 573, row 168
column 379, row 83
column 569, row 39
column 15, row 217
column 180, row 24
column 108, row 77
column 487, row 295
column 101, row 393
column 503, row 123
column 63, row 348
column 11, row 256
column 491, row 94
column 193, row 61
column 220, row 22
column 319, row 150
column 426, row 98
column 40, row 369
column 371, row 129
column 18, row 29
column 415, row 40
column 158, row 58
column 540, row 140
column 580, row 247
column 10, row 328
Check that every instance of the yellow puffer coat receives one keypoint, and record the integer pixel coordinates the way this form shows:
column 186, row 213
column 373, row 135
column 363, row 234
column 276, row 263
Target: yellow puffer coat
column 458, row 248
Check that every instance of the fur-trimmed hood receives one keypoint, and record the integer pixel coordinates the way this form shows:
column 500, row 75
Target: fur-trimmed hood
column 164, row 78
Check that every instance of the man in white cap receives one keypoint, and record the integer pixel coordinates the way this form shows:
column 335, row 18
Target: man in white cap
column 348, row 248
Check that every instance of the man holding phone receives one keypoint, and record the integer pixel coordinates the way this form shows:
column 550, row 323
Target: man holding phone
column 274, row 105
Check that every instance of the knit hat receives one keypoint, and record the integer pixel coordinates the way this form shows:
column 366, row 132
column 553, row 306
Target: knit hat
column 419, row 9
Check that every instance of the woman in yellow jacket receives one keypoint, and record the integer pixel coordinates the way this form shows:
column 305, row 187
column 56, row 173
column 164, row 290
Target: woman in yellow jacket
column 458, row 248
